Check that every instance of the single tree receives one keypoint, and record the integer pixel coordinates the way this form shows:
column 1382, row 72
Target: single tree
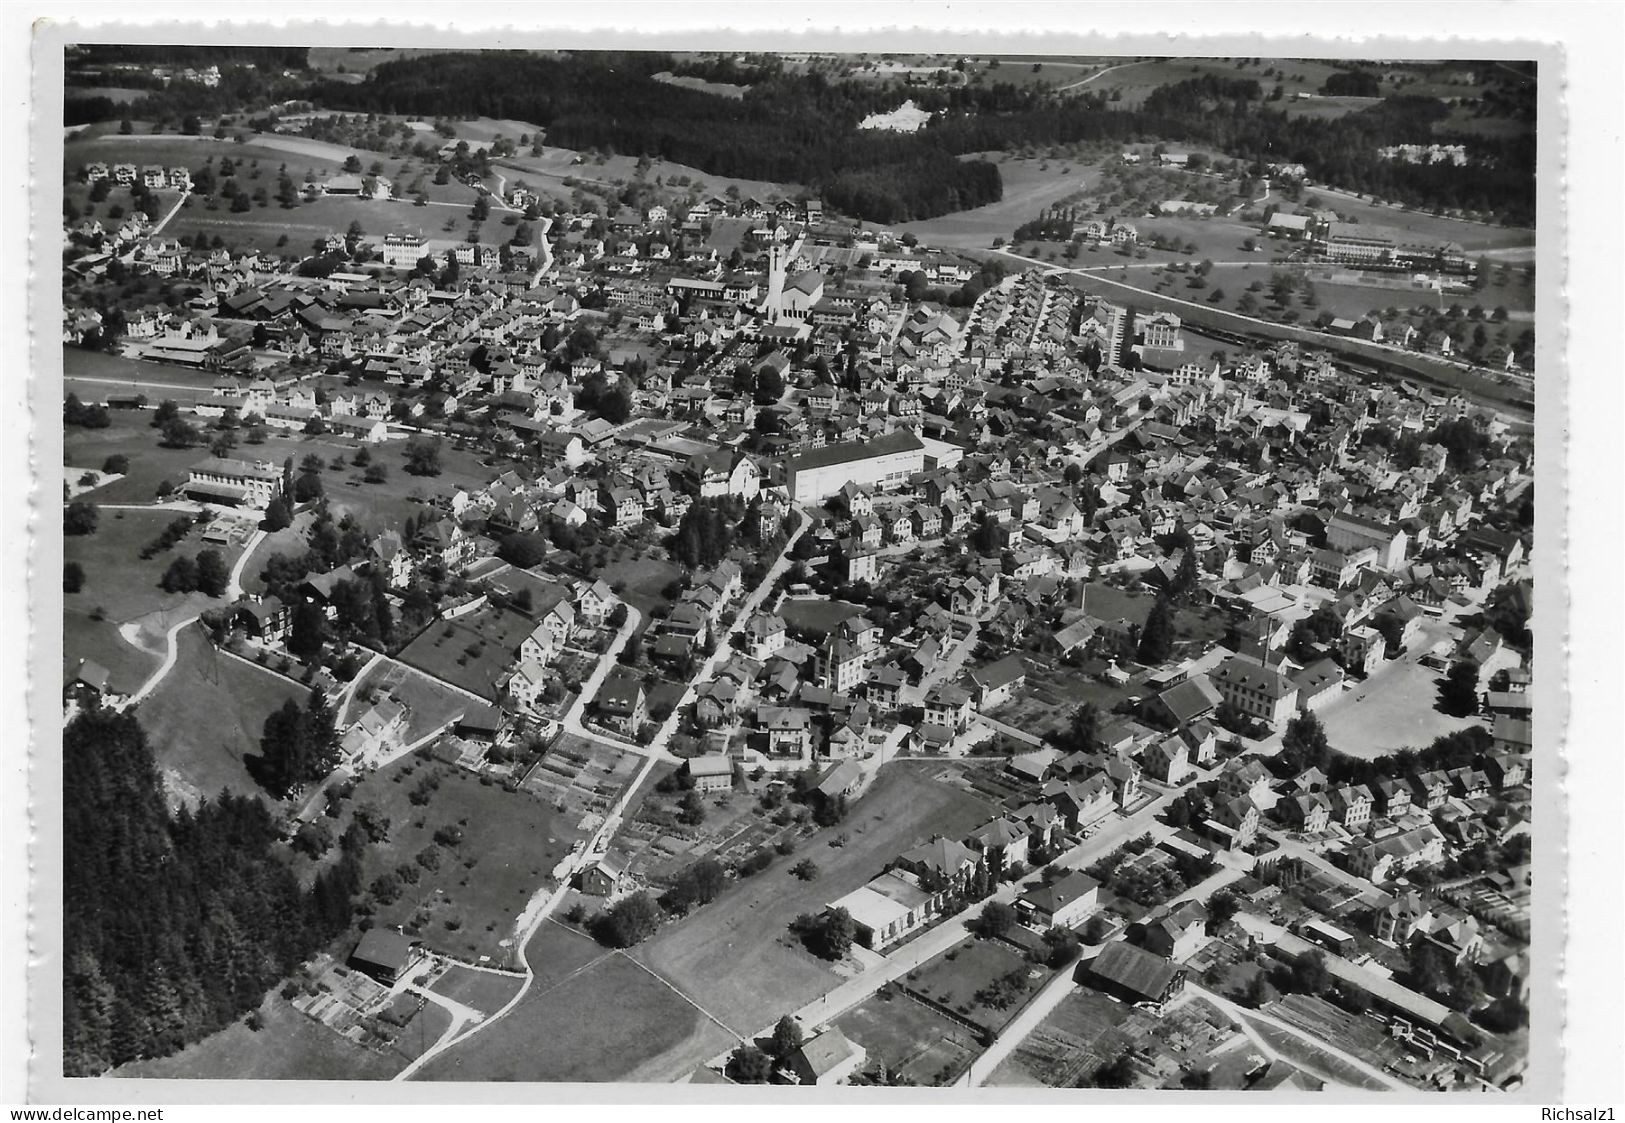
column 749, row 1065
column 995, row 919
column 1157, row 636
column 787, row 1038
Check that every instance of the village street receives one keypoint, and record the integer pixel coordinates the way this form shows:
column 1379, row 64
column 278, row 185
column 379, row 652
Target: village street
column 547, row 900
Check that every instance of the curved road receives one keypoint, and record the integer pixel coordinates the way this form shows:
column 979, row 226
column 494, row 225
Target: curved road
column 234, row 589
column 1100, row 74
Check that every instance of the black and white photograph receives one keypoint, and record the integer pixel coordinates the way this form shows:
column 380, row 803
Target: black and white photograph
column 967, row 568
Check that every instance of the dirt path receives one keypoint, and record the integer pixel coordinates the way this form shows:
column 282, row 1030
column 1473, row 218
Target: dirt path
column 1100, row 74
column 172, row 649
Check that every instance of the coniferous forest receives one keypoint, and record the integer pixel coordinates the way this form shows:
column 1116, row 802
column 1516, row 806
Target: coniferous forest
column 174, row 924
column 802, row 128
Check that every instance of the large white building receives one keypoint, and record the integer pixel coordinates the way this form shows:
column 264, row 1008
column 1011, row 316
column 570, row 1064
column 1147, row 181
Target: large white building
column 403, row 251
column 238, row 482
column 884, row 462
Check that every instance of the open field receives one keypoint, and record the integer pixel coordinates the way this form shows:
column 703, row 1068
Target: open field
column 122, row 95
column 689, row 82
column 1393, row 709
column 292, row 231
column 150, row 465
column 583, row 1028
column 122, row 589
column 207, row 715
column 289, row 1046
column 910, row 1038
column 483, row 990
column 558, row 951
column 510, row 845
column 93, row 375
column 817, row 615
column 644, row 578
column 1030, row 185
column 386, row 505
column 737, row 957
column 1134, row 81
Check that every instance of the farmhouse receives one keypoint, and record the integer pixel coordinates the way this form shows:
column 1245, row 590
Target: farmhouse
column 1133, row 974
column 384, row 954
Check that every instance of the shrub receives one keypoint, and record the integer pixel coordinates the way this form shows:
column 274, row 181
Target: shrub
column 79, row 517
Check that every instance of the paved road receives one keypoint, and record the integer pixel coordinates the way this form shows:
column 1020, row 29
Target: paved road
column 546, row 901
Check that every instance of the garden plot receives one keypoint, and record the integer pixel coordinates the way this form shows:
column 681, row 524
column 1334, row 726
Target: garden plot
column 579, row 777
column 911, row 1039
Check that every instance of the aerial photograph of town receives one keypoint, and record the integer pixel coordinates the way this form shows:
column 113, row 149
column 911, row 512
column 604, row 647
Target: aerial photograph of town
column 727, row 567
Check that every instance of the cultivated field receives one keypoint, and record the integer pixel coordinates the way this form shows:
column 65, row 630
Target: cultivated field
column 975, row 964
column 910, row 1038
column 548, row 171
column 737, row 957
column 207, row 716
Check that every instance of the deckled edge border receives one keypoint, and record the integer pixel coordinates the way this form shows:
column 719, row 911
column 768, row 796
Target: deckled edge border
column 1549, row 909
